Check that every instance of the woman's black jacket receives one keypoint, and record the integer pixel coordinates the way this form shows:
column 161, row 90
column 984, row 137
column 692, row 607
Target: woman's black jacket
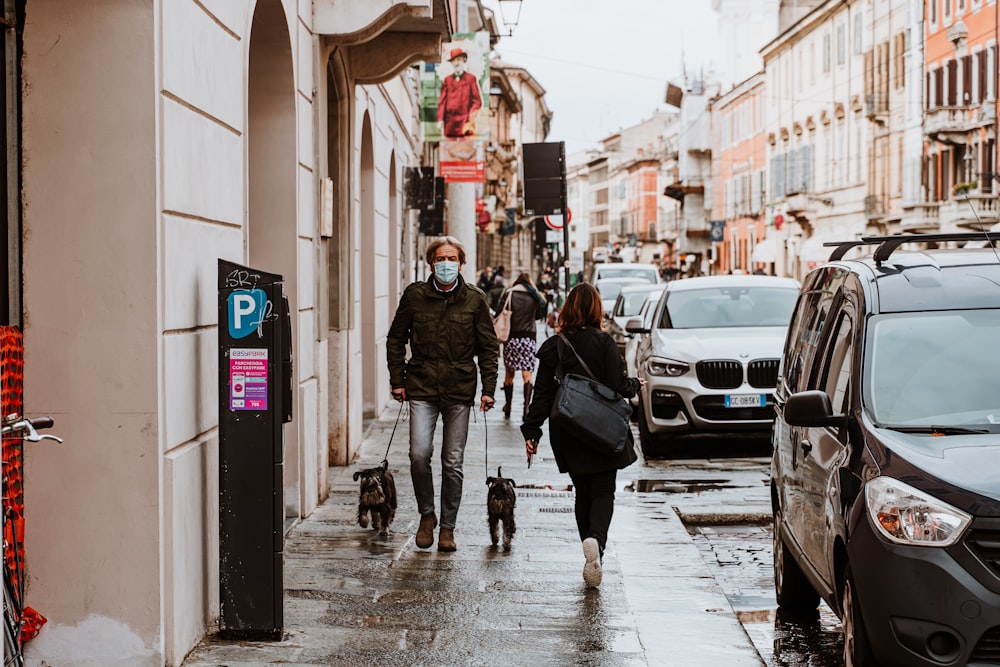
column 598, row 349
column 526, row 306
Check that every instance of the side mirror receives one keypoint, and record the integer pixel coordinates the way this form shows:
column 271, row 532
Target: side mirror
column 634, row 326
column 811, row 408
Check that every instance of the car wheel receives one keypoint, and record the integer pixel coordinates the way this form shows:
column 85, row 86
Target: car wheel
column 857, row 650
column 791, row 588
column 647, row 441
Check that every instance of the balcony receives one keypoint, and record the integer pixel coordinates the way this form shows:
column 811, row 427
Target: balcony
column 921, row 217
column 876, row 107
column 801, row 205
column 979, row 211
column 383, row 37
column 875, row 207
column 953, row 124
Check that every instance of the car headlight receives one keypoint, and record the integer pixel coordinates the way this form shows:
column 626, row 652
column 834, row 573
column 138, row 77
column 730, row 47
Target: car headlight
column 668, row 367
column 905, row 515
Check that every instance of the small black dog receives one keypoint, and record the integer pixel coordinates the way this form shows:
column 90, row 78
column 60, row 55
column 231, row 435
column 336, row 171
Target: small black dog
column 500, row 501
column 377, row 496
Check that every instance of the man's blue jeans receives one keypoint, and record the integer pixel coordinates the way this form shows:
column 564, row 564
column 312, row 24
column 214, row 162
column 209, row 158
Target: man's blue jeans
column 423, row 420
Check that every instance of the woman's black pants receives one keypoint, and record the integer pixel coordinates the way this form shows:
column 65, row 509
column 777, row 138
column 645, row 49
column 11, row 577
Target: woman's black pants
column 595, row 503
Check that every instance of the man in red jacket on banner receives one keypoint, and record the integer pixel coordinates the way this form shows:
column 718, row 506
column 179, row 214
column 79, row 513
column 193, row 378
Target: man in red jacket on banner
column 460, row 99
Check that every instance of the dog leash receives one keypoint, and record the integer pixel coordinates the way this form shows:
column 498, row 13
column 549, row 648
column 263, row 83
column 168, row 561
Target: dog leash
column 385, row 459
column 486, row 446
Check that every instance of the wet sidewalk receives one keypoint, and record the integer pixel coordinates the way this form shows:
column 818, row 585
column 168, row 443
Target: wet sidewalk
column 353, row 598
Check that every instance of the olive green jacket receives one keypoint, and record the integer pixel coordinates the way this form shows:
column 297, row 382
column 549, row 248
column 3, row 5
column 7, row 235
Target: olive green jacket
column 446, row 332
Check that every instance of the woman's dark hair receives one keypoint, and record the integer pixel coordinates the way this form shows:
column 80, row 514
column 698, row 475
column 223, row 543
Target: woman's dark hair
column 524, row 279
column 582, row 309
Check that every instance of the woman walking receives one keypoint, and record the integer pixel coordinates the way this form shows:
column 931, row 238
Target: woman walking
column 526, row 306
column 593, row 475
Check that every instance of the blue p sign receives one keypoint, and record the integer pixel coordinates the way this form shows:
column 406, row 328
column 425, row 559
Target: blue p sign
column 246, row 311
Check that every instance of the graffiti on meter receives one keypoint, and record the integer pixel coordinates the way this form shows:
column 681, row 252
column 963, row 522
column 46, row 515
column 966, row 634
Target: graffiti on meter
column 247, row 311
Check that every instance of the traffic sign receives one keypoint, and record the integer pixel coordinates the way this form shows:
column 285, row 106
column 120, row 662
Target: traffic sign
column 556, row 221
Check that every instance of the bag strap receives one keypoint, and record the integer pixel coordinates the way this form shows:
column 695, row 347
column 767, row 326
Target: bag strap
column 578, row 357
column 506, row 304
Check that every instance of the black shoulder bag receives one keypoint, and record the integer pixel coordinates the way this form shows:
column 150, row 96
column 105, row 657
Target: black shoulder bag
column 589, row 410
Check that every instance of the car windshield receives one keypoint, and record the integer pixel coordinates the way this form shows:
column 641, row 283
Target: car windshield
column 624, row 271
column 630, row 303
column 610, row 289
column 734, row 306
column 934, row 369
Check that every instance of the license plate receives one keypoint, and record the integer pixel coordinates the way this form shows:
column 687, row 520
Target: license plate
column 746, row 400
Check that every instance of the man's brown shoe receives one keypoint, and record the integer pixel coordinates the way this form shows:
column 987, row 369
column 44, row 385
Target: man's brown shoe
column 425, row 532
column 446, row 540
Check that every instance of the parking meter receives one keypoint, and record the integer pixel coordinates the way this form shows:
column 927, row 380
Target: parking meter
column 255, row 366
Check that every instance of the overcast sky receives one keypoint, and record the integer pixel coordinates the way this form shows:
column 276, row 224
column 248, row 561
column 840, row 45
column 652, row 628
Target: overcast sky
column 605, row 64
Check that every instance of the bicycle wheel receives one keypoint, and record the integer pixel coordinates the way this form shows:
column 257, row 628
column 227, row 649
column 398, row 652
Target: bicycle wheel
column 11, row 628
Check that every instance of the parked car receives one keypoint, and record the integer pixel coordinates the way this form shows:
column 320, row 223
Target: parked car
column 710, row 360
column 610, row 288
column 635, row 339
column 630, row 301
column 647, row 272
column 884, row 478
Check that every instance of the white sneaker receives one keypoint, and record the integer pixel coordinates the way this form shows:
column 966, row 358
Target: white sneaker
column 592, row 573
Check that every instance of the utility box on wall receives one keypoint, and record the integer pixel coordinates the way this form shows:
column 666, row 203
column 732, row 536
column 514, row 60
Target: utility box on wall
column 255, row 370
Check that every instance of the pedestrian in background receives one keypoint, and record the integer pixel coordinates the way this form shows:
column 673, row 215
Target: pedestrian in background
column 593, row 475
column 448, row 326
column 526, row 307
column 485, row 280
column 497, row 286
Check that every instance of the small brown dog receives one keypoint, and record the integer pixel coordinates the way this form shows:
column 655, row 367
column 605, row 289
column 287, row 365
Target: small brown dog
column 377, row 497
column 500, row 501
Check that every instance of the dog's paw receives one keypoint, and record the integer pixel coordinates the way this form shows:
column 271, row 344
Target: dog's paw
column 363, row 521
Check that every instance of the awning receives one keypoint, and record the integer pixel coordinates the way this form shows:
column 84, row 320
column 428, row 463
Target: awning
column 812, row 249
column 765, row 252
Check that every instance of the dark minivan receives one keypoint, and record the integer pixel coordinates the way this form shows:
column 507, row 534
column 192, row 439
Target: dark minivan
column 885, row 477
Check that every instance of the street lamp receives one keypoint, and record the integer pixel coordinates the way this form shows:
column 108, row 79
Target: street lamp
column 510, row 15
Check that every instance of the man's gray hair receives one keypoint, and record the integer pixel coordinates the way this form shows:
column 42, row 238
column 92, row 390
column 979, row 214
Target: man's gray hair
column 445, row 240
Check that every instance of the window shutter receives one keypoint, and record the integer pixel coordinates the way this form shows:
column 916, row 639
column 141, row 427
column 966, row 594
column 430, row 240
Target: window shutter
column 805, row 170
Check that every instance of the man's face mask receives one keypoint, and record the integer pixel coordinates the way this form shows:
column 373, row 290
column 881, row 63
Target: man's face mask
column 446, row 271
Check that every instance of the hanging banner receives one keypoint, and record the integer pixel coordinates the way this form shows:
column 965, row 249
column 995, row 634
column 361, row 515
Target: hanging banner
column 462, row 161
column 454, row 94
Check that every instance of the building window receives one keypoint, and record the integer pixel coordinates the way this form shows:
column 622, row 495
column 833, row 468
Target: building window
column 841, row 44
column 826, row 53
column 858, row 31
column 933, row 10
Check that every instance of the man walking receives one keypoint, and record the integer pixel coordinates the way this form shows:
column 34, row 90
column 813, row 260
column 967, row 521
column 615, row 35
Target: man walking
column 448, row 326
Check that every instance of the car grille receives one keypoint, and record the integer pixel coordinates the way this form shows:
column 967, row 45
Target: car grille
column 987, row 651
column 725, row 374
column 713, row 408
column 763, row 373
column 985, row 544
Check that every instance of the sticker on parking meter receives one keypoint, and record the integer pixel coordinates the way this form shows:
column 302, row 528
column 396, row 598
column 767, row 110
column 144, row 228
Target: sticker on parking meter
column 247, row 309
column 248, row 379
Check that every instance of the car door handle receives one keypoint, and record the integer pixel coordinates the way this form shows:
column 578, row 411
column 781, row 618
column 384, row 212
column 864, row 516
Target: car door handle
column 806, row 446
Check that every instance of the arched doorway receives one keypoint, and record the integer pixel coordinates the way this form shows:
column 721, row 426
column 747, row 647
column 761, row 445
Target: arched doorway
column 271, row 181
column 369, row 273
column 397, row 257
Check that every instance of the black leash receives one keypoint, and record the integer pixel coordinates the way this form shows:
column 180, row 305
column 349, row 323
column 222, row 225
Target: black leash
column 385, row 459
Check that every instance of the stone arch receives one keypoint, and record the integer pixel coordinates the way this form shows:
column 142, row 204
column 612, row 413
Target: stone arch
column 272, row 164
column 372, row 279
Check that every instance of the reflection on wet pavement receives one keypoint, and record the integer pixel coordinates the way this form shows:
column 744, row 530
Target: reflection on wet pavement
column 740, row 559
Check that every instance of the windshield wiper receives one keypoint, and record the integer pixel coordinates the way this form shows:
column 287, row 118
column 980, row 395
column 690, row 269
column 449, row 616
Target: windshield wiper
column 938, row 430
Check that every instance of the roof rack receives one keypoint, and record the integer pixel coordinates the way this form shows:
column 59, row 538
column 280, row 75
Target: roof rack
column 843, row 246
column 887, row 244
